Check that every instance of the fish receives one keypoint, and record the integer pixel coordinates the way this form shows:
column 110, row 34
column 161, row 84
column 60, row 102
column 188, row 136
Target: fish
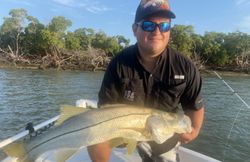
column 118, row 123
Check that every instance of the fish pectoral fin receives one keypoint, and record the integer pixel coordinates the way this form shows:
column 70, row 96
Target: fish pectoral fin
column 67, row 111
column 131, row 145
column 116, row 142
column 15, row 150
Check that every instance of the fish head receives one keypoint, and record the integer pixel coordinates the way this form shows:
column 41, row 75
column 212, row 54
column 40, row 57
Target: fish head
column 163, row 126
column 179, row 122
column 159, row 130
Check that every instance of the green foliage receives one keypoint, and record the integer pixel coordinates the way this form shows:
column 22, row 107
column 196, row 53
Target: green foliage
column 32, row 39
column 50, row 39
column 237, row 44
column 72, row 42
column 54, row 34
column 181, row 39
column 21, row 29
column 210, row 46
column 12, row 28
column 221, row 58
column 85, row 36
column 197, row 44
column 59, row 24
column 213, row 49
column 122, row 41
column 15, row 22
column 26, row 35
column 111, row 46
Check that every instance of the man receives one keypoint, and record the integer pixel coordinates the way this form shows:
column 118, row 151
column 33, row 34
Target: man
column 151, row 74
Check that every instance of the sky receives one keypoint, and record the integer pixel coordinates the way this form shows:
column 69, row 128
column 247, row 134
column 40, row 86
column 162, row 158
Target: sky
column 115, row 17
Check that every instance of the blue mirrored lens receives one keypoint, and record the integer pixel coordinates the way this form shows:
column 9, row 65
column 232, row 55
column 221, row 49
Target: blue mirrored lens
column 164, row 26
column 150, row 26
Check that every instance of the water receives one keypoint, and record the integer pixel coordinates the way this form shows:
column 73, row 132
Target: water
column 35, row 96
column 222, row 106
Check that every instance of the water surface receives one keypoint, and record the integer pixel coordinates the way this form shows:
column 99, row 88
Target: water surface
column 35, row 96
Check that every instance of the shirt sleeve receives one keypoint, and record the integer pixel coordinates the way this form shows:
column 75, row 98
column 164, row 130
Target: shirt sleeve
column 109, row 91
column 191, row 98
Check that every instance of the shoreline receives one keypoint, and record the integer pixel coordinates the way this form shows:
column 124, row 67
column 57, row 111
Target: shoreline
column 223, row 72
column 207, row 70
column 39, row 67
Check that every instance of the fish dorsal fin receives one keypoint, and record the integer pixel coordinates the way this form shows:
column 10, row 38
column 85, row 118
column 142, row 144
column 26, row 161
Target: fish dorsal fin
column 67, row 111
column 15, row 150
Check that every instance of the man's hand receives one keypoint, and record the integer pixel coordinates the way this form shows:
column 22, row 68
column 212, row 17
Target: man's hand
column 188, row 137
column 196, row 120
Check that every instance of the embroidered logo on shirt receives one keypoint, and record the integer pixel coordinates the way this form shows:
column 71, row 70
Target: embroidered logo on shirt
column 129, row 95
column 179, row 77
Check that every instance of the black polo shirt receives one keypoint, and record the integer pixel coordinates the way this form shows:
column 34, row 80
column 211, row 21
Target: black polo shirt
column 175, row 80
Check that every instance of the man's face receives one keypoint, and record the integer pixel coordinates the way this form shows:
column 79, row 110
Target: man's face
column 152, row 42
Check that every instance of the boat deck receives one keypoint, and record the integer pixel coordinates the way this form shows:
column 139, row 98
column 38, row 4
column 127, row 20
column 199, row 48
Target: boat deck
column 120, row 155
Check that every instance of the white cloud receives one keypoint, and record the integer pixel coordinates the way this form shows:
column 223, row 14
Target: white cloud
column 96, row 8
column 91, row 6
column 68, row 3
column 242, row 2
column 26, row 3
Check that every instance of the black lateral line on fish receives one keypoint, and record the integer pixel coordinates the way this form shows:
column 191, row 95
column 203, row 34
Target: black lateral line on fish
column 83, row 129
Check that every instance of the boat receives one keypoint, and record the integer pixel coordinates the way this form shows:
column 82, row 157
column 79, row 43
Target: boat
column 118, row 154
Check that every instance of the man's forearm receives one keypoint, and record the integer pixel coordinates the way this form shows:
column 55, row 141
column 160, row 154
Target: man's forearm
column 100, row 152
column 197, row 118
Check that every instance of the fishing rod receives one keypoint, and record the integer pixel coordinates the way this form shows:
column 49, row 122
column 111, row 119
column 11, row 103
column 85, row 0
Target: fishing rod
column 237, row 95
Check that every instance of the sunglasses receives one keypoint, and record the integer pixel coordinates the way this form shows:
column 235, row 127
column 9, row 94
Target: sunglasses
column 150, row 26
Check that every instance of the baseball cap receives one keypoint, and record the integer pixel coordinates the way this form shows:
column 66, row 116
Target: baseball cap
column 148, row 8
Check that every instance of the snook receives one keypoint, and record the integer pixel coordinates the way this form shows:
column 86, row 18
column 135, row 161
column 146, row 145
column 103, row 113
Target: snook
column 118, row 124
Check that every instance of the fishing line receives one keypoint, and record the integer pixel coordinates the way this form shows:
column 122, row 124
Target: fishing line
column 236, row 117
column 230, row 132
column 236, row 94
